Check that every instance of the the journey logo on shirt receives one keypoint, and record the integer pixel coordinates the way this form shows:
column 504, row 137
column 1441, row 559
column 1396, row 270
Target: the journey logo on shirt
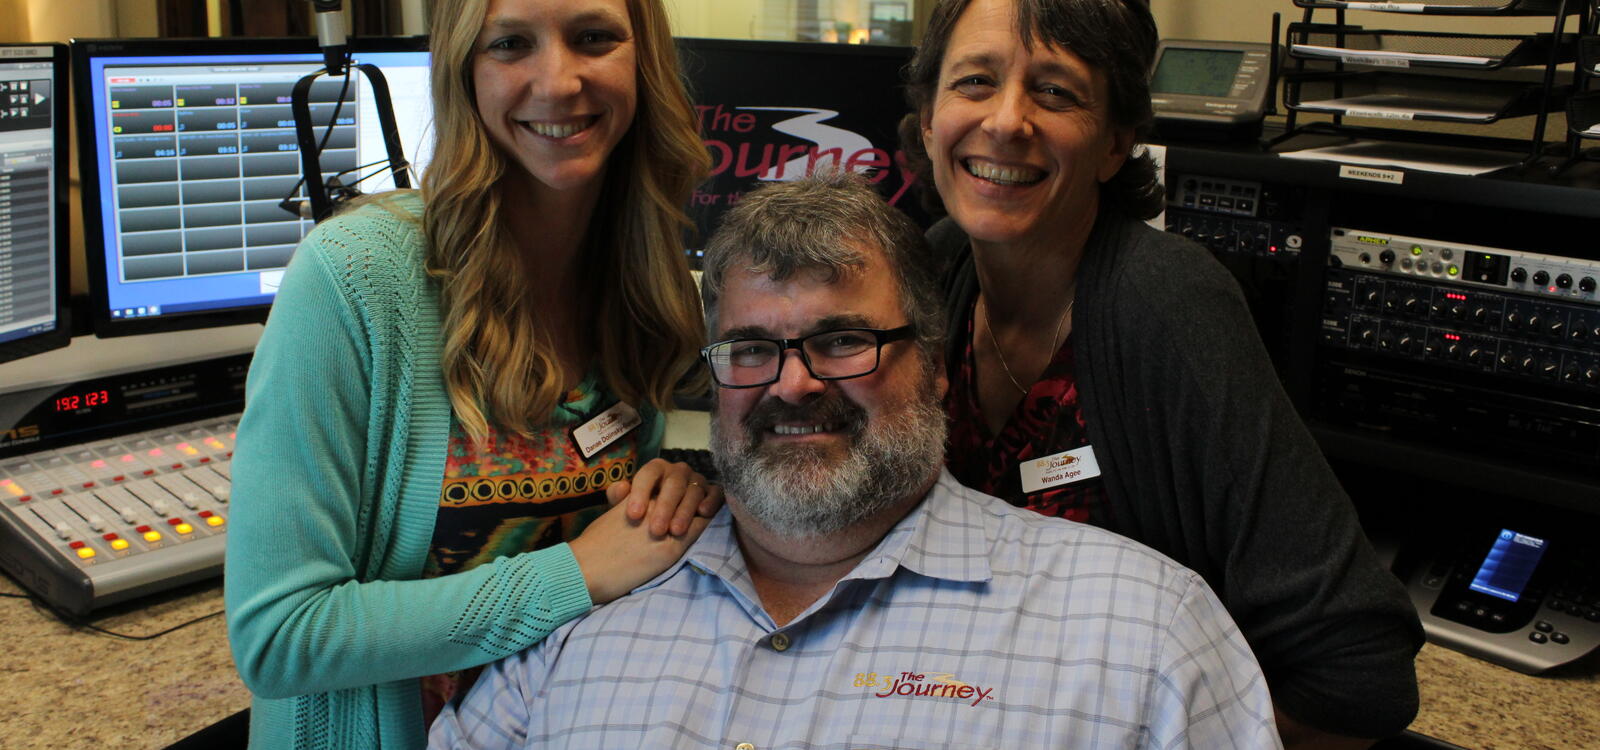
column 915, row 685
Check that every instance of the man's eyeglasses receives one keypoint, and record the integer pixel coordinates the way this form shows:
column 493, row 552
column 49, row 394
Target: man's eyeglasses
column 838, row 354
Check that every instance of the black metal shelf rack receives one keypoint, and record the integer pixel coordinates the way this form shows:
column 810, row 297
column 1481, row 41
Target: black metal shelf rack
column 1346, row 71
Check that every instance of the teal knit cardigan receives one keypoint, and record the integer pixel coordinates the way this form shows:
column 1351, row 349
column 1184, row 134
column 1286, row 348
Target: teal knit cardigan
column 337, row 475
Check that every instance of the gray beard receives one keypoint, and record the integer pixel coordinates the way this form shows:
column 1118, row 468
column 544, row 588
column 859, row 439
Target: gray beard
column 800, row 492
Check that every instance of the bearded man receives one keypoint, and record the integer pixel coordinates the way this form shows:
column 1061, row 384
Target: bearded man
column 852, row 594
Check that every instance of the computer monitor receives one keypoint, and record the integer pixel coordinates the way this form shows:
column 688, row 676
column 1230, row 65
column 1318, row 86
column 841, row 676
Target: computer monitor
column 187, row 149
column 774, row 111
column 33, row 199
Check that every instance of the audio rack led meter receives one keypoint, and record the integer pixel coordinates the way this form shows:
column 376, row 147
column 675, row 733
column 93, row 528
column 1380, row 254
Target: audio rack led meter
column 1210, row 89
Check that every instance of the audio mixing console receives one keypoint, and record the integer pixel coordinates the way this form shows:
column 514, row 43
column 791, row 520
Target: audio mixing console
column 114, row 481
column 103, row 522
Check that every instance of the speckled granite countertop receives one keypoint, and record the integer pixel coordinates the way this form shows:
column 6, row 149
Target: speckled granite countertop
column 66, row 688
column 1478, row 705
column 75, row 688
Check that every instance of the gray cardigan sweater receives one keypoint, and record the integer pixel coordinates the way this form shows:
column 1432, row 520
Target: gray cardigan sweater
column 1204, row 459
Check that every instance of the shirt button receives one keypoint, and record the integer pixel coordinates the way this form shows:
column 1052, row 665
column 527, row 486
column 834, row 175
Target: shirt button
column 780, row 642
column 744, row 746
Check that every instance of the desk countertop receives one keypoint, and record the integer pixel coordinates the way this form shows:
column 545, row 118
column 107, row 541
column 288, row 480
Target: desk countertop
column 66, row 687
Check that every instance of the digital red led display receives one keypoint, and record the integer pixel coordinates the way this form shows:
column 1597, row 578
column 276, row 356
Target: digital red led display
column 87, row 400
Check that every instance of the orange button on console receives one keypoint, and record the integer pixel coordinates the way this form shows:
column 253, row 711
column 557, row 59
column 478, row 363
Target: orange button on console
column 119, row 544
column 184, row 528
column 215, row 521
column 85, row 553
column 152, row 535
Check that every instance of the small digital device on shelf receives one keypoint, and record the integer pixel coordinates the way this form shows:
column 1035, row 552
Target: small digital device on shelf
column 1210, row 90
column 192, row 173
column 33, row 199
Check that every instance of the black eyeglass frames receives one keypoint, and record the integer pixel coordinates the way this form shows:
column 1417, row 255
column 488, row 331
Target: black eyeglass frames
column 837, row 354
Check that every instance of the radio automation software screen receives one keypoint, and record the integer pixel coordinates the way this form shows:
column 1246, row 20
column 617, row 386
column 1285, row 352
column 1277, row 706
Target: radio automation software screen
column 197, row 153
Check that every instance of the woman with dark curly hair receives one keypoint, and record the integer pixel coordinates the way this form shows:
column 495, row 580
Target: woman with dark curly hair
column 1106, row 372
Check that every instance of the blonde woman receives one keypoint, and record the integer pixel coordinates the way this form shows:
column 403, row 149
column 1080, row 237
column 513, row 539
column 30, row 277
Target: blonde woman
column 439, row 408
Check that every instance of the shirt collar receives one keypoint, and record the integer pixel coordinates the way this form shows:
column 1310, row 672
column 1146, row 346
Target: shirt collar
column 946, row 537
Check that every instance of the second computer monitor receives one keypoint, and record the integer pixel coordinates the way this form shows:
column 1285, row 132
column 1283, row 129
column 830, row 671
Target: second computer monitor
column 33, row 200
column 187, row 150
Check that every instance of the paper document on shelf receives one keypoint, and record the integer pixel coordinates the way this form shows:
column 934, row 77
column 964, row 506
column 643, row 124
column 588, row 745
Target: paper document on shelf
column 1414, row 156
column 1353, row 55
column 1400, row 106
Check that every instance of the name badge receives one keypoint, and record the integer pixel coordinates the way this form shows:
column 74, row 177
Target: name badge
column 1062, row 468
column 597, row 434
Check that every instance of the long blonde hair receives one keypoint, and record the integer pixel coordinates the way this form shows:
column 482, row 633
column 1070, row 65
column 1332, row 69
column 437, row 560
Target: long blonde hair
column 499, row 366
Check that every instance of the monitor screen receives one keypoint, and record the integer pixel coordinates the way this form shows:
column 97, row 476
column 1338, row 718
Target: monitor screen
column 33, row 199
column 188, row 148
column 1196, row 72
column 1509, row 565
column 778, row 110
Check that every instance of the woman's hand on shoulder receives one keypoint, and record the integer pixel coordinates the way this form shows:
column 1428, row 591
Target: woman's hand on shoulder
column 667, row 496
column 653, row 520
column 618, row 554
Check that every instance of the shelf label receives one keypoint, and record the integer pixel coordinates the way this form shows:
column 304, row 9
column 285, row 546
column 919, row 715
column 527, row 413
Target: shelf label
column 1389, row 7
column 1385, row 62
column 1380, row 114
column 1368, row 174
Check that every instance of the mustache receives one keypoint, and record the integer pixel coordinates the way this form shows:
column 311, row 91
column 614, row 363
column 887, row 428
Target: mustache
column 829, row 408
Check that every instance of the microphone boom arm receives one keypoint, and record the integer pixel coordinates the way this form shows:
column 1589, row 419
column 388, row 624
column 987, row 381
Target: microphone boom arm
column 310, row 154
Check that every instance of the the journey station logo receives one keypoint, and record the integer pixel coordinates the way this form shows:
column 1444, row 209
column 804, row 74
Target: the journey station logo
column 940, row 685
column 1059, row 469
column 801, row 141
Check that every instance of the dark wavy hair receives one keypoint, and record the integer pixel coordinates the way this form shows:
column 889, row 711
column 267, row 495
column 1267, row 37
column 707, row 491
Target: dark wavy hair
column 1116, row 37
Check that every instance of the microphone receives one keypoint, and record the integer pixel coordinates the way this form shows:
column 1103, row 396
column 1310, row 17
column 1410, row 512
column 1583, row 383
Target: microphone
column 322, row 196
column 331, row 34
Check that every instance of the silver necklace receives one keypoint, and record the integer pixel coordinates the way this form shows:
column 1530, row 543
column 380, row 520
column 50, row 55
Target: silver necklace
column 1055, row 340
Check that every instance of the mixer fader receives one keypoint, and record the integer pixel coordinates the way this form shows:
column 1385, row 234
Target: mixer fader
column 122, row 515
